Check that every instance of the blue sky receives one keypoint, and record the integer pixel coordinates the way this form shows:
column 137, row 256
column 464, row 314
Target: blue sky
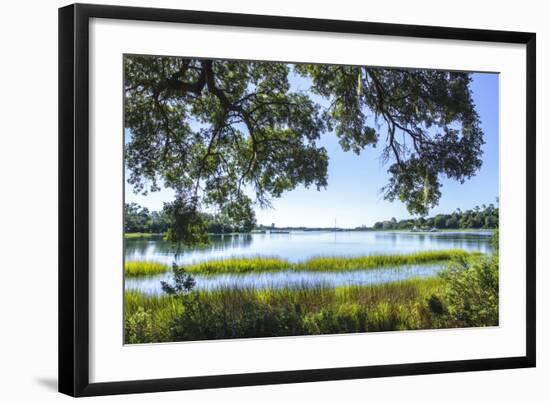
column 353, row 197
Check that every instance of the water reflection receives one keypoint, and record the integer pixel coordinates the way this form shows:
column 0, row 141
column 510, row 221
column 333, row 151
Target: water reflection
column 157, row 249
column 298, row 246
column 290, row 279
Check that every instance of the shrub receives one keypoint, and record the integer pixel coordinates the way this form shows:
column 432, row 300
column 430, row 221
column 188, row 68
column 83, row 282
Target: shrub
column 470, row 297
column 147, row 319
column 138, row 327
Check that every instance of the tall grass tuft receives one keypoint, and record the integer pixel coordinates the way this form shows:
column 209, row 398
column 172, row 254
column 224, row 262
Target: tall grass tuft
column 239, row 265
column 144, row 268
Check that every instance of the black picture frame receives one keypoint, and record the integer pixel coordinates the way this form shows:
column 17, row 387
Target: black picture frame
column 74, row 203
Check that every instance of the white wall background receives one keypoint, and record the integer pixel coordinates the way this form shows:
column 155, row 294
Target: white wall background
column 28, row 199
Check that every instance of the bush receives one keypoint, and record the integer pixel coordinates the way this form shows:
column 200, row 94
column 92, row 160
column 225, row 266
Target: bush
column 138, row 327
column 147, row 319
column 470, row 297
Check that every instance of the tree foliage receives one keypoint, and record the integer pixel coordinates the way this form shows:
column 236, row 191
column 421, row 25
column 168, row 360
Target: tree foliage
column 430, row 122
column 224, row 134
column 183, row 282
column 136, row 218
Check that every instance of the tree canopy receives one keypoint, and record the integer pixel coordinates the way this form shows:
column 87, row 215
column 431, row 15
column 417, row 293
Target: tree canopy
column 225, row 134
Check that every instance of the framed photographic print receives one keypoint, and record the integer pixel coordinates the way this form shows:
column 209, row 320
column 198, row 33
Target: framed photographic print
column 249, row 199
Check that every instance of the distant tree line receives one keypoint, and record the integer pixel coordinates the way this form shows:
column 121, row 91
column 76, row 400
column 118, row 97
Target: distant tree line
column 478, row 217
column 138, row 219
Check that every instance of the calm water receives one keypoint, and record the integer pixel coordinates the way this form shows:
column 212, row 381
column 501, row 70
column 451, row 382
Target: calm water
column 301, row 245
column 291, row 279
column 298, row 246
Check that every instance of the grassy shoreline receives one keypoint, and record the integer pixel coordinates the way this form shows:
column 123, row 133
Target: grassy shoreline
column 316, row 264
column 464, row 295
column 241, row 313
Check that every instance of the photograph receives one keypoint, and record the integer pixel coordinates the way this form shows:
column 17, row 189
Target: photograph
column 258, row 199
column 271, row 198
column 270, row 201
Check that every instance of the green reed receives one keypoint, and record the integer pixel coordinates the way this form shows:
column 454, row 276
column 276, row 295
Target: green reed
column 322, row 263
column 144, row 268
column 241, row 313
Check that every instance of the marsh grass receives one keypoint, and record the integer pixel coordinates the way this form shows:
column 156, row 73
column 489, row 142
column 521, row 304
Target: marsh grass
column 239, row 265
column 264, row 264
column 463, row 295
column 144, row 268
column 316, row 264
column 242, row 313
